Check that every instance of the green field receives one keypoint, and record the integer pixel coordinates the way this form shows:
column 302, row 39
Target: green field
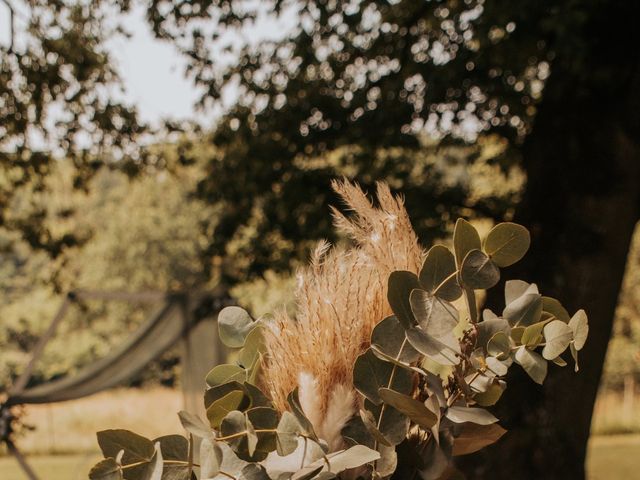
column 68, row 430
column 610, row 458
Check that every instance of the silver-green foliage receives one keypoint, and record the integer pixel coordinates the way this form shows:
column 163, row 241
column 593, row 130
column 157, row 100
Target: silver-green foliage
column 425, row 380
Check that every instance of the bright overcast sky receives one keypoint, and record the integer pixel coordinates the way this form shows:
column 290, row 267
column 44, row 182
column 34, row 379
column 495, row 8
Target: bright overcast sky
column 153, row 72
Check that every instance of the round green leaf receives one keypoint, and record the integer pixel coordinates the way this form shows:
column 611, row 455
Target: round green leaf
column 465, row 239
column 173, row 447
column 389, row 337
column 555, row 308
column 524, row 310
column 532, row 335
column 436, row 317
column 499, row 345
column 220, row 408
column 497, row 366
column 533, row 364
column 226, row 373
column 234, row 323
column 507, row 243
column 580, row 327
column 491, row 395
column 558, row 336
column 370, row 374
column 136, row 447
column 443, row 350
column 106, row 469
column 287, row 434
column 478, row 271
column 411, row 407
column 475, row 437
column 400, row 285
column 470, row 414
column 393, row 423
column 438, row 273
column 210, row 458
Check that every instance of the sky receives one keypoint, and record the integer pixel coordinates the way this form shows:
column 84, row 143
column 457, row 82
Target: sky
column 153, row 72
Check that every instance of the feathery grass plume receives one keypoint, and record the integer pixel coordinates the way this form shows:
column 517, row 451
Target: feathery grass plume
column 341, row 296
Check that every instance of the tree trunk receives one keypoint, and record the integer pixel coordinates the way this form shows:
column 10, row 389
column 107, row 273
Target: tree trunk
column 581, row 205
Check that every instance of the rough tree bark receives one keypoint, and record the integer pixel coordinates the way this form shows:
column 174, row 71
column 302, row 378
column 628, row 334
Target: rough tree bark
column 581, row 205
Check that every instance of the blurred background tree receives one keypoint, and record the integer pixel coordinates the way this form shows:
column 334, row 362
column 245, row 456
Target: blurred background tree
column 374, row 91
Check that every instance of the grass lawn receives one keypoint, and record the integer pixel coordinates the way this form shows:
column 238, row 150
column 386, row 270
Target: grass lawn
column 68, row 430
column 610, row 458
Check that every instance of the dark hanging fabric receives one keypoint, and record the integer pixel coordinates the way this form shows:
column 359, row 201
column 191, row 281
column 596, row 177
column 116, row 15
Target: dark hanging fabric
column 158, row 334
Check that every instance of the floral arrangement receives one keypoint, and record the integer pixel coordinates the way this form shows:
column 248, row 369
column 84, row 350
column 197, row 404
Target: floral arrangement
column 385, row 371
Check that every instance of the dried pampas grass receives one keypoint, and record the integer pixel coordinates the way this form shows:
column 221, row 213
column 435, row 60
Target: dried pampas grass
column 340, row 297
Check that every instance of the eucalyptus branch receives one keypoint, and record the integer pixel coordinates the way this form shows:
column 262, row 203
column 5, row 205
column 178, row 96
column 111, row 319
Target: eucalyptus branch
column 190, row 456
column 470, row 298
column 165, row 462
column 304, row 452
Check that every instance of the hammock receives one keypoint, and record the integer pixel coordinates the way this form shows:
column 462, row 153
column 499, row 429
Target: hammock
column 172, row 322
column 159, row 333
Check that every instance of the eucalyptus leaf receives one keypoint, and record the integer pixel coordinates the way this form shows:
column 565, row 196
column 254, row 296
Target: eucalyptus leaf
column 474, row 437
column 194, row 425
column 231, row 464
column 492, row 394
column 106, row 469
column 516, row 334
column 226, row 373
column 296, row 409
column 220, row 408
column 287, row 434
column 257, row 398
column 442, row 350
column 353, row 457
column 388, row 461
column 470, row 414
column 555, row 308
column 173, row 447
column 514, row 289
column 155, row 467
column 371, row 425
column 580, row 327
column 499, row 346
column 436, row 317
column 136, row 447
column 254, row 471
column 489, row 327
column 465, row 239
column 370, row 374
column 400, row 285
column 533, row 364
column 478, row 271
column 557, row 336
column 412, row 408
column 525, row 310
column 437, row 275
column 210, row 458
column 532, row 335
column 391, row 422
column 234, row 324
column 253, row 348
column 559, row 361
column 496, row 366
column 389, row 337
column 264, row 419
column 507, row 243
